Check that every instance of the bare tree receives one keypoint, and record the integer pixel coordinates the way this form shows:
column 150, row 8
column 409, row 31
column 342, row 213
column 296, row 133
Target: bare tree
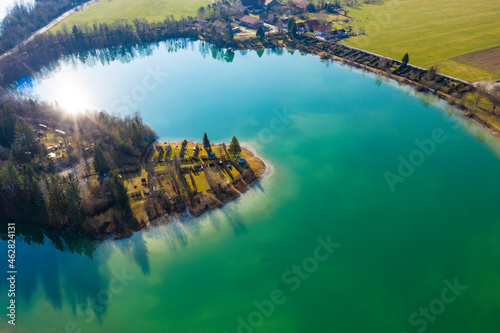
column 488, row 91
column 495, row 96
column 382, row 64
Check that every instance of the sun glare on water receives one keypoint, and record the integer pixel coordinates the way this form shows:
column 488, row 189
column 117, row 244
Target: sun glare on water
column 71, row 99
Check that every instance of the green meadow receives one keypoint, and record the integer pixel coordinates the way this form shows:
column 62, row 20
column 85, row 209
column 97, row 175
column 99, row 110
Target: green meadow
column 432, row 32
column 153, row 10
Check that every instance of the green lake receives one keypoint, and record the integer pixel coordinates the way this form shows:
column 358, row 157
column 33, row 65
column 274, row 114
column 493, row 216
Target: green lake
column 406, row 191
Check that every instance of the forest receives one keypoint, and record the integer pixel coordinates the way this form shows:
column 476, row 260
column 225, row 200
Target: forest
column 35, row 187
column 23, row 19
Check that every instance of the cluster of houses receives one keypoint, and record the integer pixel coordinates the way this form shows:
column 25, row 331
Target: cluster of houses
column 247, row 21
column 320, row 30
column 258, row 6
column 265, row 16
column 243, row 20
column 56, row 150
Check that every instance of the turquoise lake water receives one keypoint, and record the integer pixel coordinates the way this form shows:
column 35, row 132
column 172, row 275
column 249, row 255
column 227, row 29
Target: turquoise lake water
column 417, row 253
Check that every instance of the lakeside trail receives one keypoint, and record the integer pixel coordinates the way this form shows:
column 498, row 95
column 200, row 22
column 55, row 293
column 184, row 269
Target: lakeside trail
column 382, row 56
column 43, row 30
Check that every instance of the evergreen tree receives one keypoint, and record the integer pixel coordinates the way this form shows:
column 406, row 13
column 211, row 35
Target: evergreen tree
column 431, row 74
column 206, row 142
column 27, row 146
column 10, row 182
column 294, row 29
column 64, row 199
column 406, row 59
column 292, row 26
column 120, row 194
column 57, row 201
column 18, row 155
column 33, row 203
column 260, row 32
column 183, row 148
column 228, row 35
column 73, row 199
column 7, row 125
column 100, row 162
column 136, row 136
column 234, row 147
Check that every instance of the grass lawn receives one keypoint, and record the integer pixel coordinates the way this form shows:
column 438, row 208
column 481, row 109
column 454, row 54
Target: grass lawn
column 132, row 180
column 199, row 176
column 153, row 10
column 432, row 32
column 52, row 139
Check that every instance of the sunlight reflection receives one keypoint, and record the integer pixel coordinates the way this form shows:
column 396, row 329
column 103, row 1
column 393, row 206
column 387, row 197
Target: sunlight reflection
column 71, row 98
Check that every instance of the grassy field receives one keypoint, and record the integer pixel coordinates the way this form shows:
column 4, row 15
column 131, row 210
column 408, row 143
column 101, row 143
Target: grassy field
column 153, row 10
column 433, row 33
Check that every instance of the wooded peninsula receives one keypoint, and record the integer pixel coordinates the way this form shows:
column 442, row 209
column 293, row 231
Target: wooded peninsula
column 108, row 176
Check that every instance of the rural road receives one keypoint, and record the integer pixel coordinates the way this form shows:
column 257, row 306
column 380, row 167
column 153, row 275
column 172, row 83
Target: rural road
column 273, row 29
column 49, row 26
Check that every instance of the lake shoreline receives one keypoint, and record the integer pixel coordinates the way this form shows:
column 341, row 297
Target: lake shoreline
column 318, row 47
column 252, row 171
column 456, row 92
column 197, row 210
column 306, row 44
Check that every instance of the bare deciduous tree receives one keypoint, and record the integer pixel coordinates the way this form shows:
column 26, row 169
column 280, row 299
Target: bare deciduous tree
column 490, row 92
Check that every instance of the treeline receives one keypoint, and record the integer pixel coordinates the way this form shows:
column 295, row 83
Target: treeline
column 46, row 49
column 118, row 143
column 26, row 18
column 31, row 189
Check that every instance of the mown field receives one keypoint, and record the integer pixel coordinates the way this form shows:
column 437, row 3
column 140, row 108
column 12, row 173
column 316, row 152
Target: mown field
column 433, row 33
column 153, row 10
